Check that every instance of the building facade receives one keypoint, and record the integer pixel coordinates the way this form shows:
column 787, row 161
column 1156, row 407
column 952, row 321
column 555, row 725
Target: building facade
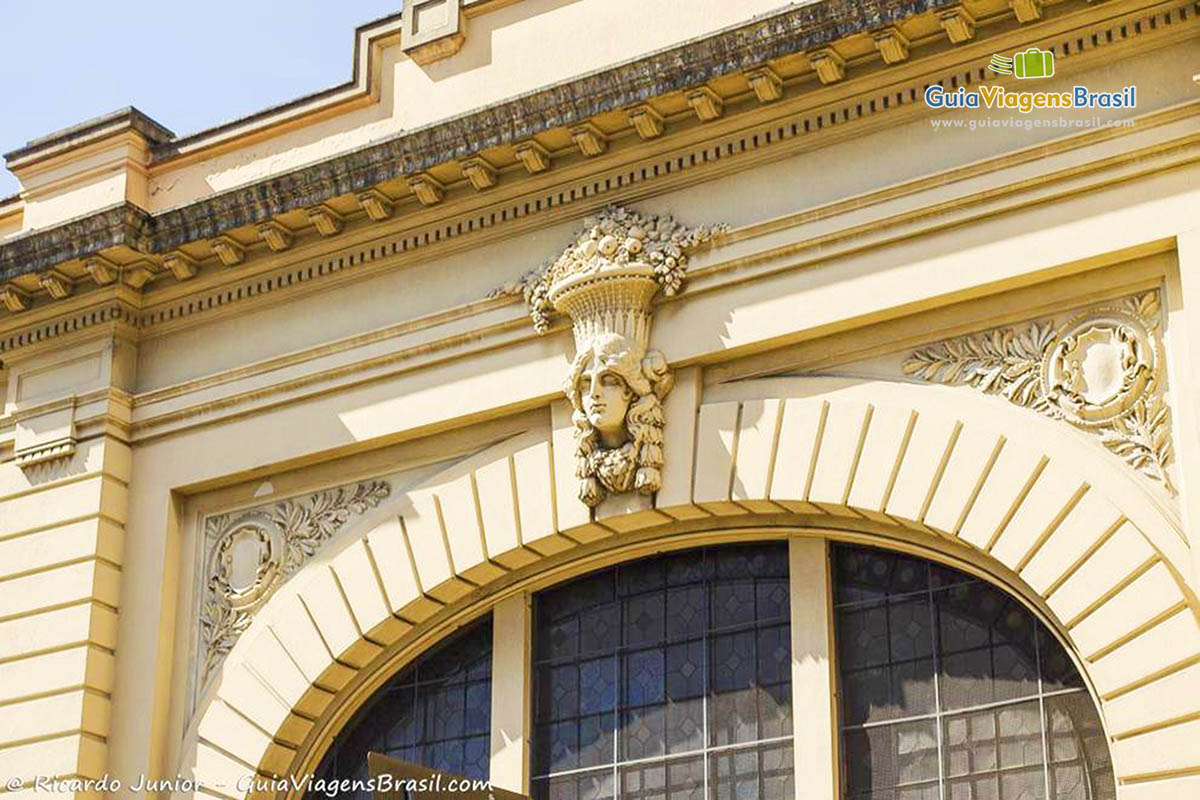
column 621, row 399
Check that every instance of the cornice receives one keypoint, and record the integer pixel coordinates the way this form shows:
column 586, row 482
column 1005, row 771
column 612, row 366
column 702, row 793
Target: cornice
column 748, row 254
column 571, row 102
column 692, row 153
column 791, row 31
column 113, row 226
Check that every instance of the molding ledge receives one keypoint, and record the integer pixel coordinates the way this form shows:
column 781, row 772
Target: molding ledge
column 682, row 69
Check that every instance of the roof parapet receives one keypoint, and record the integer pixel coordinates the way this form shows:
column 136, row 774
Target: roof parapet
column 88, row 132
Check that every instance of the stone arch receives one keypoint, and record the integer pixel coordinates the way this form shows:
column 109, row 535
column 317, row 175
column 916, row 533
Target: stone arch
column 1055, row 519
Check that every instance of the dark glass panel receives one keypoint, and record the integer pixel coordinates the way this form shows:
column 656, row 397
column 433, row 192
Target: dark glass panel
column 864, row 574
column 1005, row 690
column 680, row 635
column 734, row 697
column 597, row 785
column 558, row 691
column 987, row 649
column 678, row 779
column 1058, row 672
column 597, row 685
column 996, row 752
column 600, row 628
column 901, row 757
column 773, row 600
column 687, row 612
column 1080, row 764
column 645, row 618
column 436, row 712
column 764, row 771
column 732, row 603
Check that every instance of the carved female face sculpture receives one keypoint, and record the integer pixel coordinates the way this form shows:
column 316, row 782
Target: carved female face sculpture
column 616, row 387
column 605, row 397
column 606, row 281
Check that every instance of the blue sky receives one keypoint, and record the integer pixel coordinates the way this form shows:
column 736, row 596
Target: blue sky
column 187, row 65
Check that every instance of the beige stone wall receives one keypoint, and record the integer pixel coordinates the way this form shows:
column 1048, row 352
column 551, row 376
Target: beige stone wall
column 972, row 482
column 60, row 584
column 790, row 417
column 276, row 428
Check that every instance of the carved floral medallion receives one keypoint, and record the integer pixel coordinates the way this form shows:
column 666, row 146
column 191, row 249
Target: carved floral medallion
column 250, row 553
column 605, row 283
column 1100, row 371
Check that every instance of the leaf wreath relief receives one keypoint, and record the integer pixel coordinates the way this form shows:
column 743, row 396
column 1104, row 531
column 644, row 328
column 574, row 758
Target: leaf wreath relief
column 309, row 523
column 221, row 627
column 306, row 524
column 1143, row 438
column 1012, row 363
column 1003, row 361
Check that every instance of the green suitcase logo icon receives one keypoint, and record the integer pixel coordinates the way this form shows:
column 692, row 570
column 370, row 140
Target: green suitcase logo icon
column 1033, row 63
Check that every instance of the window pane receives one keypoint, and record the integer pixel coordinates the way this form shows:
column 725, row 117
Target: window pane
column 951, row 689
column 597, row 785
column 751, row 773
column 1080, row 766
column 694, row 653
column 680, row 779
column 902, row 756
column 435, row 712
column 995, row 753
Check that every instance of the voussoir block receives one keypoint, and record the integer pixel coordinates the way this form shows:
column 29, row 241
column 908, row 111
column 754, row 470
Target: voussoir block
column 1085, row 524
column 1122, row 554
column 837, row 455
column 716, row 440
column 1170, row 749
column 498, row 508
column 461, row 518
column 242, row 690
column 799, row 434
column 389, row 547
column 1149, row 596
column 1173, row 696
column 356, row 576
column 1014, row 469
column 886, row 436
column 1043, row 507
column 757, row 435
column 232, row 733
column 1167, row 645
column 931, row 439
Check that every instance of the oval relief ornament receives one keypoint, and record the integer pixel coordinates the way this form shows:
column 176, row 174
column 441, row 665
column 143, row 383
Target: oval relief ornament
column 251, row 553
column 1100, row 367
column 246, row 561
column 1100, row 371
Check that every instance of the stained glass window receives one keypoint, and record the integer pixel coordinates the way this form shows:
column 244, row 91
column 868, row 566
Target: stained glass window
column 667, row 678
column 435, row 712
column 952, row 690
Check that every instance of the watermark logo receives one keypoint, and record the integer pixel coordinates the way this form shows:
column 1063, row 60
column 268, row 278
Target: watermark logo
column 1033, row 63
